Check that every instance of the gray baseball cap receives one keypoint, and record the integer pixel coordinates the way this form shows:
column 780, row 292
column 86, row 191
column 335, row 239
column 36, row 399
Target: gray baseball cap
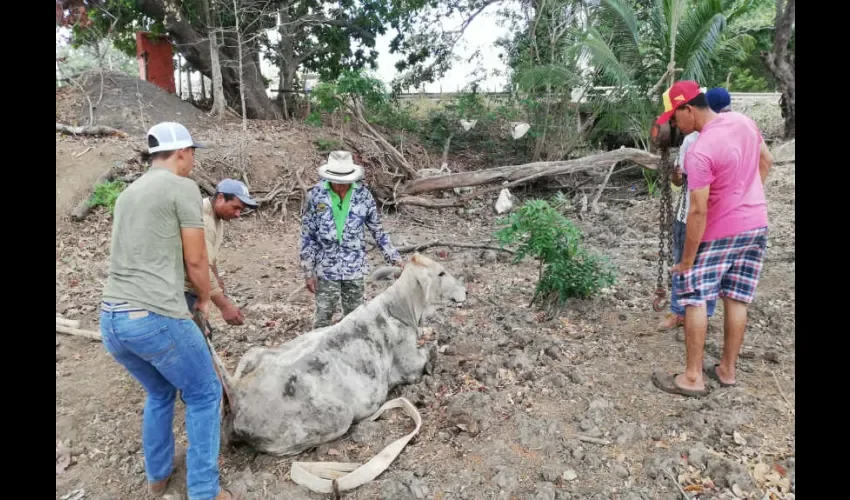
column 170, row 136
column 236, row 188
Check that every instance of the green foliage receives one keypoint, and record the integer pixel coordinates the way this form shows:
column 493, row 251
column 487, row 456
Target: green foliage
column 106, row 194
column 568, row 270
column 651, row 178
column 325, row 145
column 314, row 119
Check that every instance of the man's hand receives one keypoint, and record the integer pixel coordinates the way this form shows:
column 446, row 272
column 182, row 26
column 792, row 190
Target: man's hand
column 232, row 315
column 312, row 284
column 681, row 267
column 203, row 306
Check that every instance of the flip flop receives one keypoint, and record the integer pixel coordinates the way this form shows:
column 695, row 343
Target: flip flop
column 710, row 370
column 667, row 383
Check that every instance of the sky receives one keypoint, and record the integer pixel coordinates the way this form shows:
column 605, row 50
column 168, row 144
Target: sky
column 481, row 35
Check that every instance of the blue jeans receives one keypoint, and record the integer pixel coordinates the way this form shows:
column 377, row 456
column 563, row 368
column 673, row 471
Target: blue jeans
column 166, row 354
column 679, row 229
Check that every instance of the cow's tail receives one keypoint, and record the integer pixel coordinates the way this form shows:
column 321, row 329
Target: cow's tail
column 224, row 376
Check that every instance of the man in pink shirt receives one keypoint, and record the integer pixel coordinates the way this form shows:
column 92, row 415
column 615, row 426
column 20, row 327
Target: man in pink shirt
column 726, row 231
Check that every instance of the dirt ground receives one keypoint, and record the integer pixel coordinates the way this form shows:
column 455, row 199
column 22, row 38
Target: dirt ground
column 515, row 395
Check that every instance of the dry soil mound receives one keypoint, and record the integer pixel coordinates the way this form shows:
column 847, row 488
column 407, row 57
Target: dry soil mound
column 123, row 102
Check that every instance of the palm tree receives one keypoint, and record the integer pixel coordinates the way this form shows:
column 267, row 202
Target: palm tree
column 640, row 52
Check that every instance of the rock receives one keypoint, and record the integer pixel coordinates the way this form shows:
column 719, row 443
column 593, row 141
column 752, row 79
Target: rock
column 697, row 456
column 629, row 433
column 368, row 433
column 489, row 256
column 392, row 489
column 506, row 479
column 551, row 472
column 599, row 404
column 468, row 411
column 578, row 454
column 771, row 356
column 586, row 425
column 545, row 491
column 418, row 488
column 620, row 470
column 569, row 475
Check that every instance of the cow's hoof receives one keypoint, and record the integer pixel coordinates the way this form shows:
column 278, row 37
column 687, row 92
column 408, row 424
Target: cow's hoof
column 431, row 364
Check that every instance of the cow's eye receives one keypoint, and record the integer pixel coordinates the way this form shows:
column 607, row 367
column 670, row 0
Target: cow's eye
column 442, row 273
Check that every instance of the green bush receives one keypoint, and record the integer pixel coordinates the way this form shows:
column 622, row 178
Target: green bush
column 106, row 194
column 567, row 269
column 325, row 145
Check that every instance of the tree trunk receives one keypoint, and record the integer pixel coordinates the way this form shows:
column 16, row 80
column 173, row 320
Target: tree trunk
column 287, row 63
column 528, row 170
column 203, row 88
column 241, row 57
column 781, row 64
column 179, row 77
column 189, row 84
column 219, row 104
column 194, row 46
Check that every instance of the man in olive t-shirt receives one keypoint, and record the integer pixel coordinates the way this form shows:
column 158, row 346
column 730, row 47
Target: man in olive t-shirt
column 146, row 327
column 146, row 267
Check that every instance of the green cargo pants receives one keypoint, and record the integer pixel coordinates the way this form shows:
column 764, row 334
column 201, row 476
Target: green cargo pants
column 330, row 293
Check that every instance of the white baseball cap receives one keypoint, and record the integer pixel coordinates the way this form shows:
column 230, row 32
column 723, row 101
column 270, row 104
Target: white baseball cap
column 170, row 136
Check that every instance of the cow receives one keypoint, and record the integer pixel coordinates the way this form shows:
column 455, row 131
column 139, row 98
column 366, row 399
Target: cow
column 309, row 391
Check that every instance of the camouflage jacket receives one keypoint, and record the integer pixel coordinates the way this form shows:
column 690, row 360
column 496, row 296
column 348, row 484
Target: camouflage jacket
column 322, row 252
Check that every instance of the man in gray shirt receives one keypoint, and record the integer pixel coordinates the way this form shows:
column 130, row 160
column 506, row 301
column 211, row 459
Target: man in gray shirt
column 144, row 321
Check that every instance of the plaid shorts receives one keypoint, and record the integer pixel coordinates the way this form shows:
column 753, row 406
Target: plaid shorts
column 728, row 267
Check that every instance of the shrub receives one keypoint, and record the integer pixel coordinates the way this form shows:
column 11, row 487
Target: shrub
column 567, row 269
column 106, row 194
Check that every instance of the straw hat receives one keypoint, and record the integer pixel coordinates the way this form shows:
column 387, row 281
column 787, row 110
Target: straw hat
column 340, row 168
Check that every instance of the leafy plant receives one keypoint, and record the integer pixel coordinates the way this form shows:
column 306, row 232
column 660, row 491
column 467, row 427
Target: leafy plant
column 106, row 194
column 567, row 269
column 325, row 145
column 651, row 178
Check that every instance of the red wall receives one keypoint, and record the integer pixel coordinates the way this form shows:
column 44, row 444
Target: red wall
column 155, row 58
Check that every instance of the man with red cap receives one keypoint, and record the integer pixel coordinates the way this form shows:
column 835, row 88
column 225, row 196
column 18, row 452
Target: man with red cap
column 726, row 233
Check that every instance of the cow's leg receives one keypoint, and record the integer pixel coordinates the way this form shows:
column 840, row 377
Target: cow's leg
column 430, row 358
column 327, row 298
column 351, row 292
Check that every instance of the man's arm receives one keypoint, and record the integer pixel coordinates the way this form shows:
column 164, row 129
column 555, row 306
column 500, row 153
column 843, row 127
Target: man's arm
column 187, row 205
column 373, row 222
column 309, row 244
column 197, row 265
column 765, row 162
column 695, row 225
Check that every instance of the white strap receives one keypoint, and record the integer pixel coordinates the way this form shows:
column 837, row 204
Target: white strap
column 318, row 477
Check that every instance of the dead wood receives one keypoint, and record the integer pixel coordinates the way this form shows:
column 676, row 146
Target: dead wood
column 423, row 246
column 528, row 171
column 96, row 130
column 84, row 207
column 71, row 323
column 418, row 201
column 77, row 332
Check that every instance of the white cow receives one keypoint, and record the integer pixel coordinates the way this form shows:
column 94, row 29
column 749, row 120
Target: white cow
column 311, row 390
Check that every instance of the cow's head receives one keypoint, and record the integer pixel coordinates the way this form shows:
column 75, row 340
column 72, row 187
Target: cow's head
column 439, row 285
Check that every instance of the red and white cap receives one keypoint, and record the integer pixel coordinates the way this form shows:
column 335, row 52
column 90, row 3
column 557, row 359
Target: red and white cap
column 680, row 93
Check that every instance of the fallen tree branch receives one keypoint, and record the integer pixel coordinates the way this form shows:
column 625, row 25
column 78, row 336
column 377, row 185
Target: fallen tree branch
column 594, row 204
column 81, row 211
column 528, row 171
column 77, row 332
column 71, row 323
column 418, row 201
column 89, row 130
column 423, row 246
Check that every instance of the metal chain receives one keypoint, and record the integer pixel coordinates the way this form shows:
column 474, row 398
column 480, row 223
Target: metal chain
column 665, row 225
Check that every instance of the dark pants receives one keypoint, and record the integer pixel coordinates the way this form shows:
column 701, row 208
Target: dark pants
column 191, row 298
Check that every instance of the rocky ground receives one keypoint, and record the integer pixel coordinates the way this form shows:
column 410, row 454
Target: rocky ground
column 521, row 405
